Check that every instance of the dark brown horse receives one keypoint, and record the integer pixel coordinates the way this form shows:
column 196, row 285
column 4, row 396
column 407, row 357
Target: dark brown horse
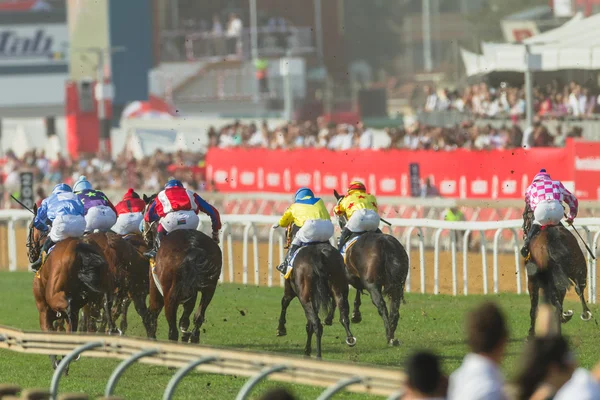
column 187, row 262
column 378, row 263
column 128, row 269
column 74, row 273
column 319, row 281
column 556, row 264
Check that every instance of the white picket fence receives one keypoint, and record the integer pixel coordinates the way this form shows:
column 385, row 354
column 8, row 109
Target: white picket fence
column 249, row 227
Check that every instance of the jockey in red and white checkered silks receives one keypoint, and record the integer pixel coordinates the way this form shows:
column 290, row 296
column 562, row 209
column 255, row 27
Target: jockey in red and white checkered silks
column 544, row 197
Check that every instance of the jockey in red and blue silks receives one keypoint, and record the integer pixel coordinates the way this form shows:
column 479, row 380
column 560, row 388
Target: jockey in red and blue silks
column 177, row 208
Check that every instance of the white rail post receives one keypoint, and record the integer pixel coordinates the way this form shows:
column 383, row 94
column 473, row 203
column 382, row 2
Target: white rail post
column 255, row 249
column 454, row 273
column 407, row 236
column 247, row 228
column 270, row 262
column 436, row 261
column 590, row 277
column 12, row 245
column 466, row 262
column 496, row 243
column 422, row 257
column 484, row 262
column 281, row 258
column 230, row 256
column 517, row 264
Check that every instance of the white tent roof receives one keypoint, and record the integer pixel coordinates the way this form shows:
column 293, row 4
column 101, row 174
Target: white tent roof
column 574, row 45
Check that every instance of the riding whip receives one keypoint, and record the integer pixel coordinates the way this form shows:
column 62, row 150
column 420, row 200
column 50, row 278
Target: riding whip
column 584, row 242
column 22, row 205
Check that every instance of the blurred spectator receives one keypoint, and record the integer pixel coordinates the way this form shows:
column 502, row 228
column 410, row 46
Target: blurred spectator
column 479, row 376
column 424, row 377
column 234, row 33
column 278, row 394
column 431, row 102
column 428, row 189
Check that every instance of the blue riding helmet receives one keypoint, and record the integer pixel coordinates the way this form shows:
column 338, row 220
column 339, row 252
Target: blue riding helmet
column 61, row 187
column 302, row 193
column 82, row 184
column 173, row 183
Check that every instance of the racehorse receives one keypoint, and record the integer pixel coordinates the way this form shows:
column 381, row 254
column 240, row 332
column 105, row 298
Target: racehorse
column 556, row 263
column 377, row 263
column 128, row 269
column 319, row 281
column 74, row 273
column 187, row 262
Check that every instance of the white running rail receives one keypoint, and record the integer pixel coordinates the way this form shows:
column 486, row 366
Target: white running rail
column 250, row 225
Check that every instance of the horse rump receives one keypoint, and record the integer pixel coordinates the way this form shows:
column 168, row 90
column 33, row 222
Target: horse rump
column 320, row 292
column 551, row 270
column 92, row 267
column 395, row 266
column 194, row 273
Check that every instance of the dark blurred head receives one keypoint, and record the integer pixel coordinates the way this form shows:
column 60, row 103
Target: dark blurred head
column 487, row 332
column 423, row 373
column 278, row 394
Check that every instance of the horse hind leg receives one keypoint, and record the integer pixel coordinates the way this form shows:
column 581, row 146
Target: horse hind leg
column 288, row 296
column 565, row 316
column 184, row 321
column 125, row 303
column 341, row 297
column 313, row 325
column 171, row 315
column 108, row 316
column 395, row 301
column 356, row 315
column 379, row 302
column 586, row 315
column 329, row 319
column 207, row 295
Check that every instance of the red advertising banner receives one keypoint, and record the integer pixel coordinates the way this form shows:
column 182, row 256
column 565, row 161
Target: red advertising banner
column 498, row 174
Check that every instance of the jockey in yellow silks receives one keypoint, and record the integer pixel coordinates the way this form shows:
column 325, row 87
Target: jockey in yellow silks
column 361, row 211
column 310, row 215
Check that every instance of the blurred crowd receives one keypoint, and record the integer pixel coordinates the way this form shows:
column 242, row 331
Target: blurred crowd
column 552, row 101
column 341, row 137
column 148, row 174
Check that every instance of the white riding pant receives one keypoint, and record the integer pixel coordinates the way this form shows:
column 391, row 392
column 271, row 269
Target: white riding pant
column 184, row 219
column 101, row 218
column 363, row 220
column 314, row 231
column 66, row 226
column 548, row 212
column 128, row 223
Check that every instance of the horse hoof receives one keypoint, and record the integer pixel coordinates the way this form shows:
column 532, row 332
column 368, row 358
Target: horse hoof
column 394, row 342
column 115, row 331
column 351, row 341
column 568, row 313
column 586, row 316
column 328, row 322
column 356, row 319
column 58, row 314
column 77, row 358
column 281, row 332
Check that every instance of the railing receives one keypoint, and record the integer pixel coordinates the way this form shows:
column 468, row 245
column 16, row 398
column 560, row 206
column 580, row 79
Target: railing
column 256, row 366
column 251, row 228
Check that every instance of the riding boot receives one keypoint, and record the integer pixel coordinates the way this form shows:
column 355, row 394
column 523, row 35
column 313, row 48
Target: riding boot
column 344, row 236
column 283, row 266
column 533, row 230
column 378, row 231
column 43, row 254
column 157, row 239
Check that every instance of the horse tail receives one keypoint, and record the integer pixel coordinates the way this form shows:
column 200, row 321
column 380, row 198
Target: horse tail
column 321, row 294
column 92, row 267
column 193, row 274
column 395, row 266
column 558, row 255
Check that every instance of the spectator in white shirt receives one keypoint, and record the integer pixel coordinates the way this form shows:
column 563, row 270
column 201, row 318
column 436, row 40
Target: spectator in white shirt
column 424, row 377
column 366, row 137
column 479, row 376
column 574, row 101
column 234, row 33
column 431, row 102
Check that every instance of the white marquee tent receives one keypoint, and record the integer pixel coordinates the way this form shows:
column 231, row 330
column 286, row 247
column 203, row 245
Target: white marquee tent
column 574, row 45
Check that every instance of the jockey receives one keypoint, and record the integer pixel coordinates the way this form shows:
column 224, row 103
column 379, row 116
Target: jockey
column 360, row 208
column 100, row 214
column 310, row 215
column 64, row 212
column 130, row 213
column 177, row 208
column 544, row 197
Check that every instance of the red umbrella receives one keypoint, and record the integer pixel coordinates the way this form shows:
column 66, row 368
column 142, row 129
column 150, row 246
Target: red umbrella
column 155, row 107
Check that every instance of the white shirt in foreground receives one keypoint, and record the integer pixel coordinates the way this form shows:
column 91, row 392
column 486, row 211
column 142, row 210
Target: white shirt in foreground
column 581, row 386
column 478, row 378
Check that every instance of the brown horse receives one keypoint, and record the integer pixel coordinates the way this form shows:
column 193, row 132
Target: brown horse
column 73, row 274
column 128, row 269
column 187, row 262
column 319, row 281
column 378, row 263
column 556, row 263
